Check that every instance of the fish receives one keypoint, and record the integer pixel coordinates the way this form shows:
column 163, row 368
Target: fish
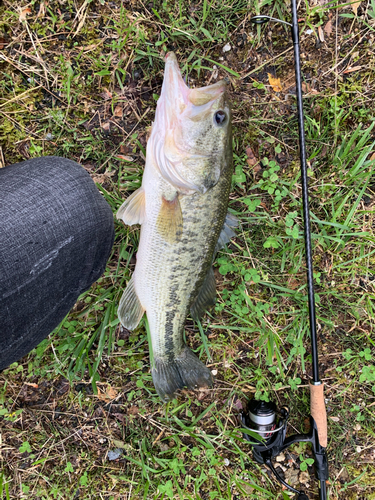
column 182, row 207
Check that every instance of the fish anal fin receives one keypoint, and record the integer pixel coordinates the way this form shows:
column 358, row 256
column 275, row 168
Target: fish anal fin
column 206, row 296
column 169, row 221
column 132, row 211
column 130, row 309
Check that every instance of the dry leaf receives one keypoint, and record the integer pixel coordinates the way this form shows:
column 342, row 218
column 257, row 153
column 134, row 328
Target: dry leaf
column 106, row 94
column 32, row 385
column 372, row 157
column 125, row 157
column 106, row 126
column 328, row 28
column 23, row 14
column 321, row 34
column 3, row 43
column 304, row 477
column 118, row 111
column 335, row 419
column 275, row 83
column 355, row 6
column 351, row 69
column 107, row 393
column 251, row 159
column 133, row 410
column 257, row 169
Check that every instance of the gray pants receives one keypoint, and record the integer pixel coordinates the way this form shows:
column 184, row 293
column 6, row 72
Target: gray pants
column 56, row 234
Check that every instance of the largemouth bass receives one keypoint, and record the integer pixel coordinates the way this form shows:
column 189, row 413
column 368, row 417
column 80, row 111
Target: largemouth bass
column 182, row 208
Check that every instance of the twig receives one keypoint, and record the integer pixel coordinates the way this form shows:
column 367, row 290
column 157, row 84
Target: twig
column 266, row 62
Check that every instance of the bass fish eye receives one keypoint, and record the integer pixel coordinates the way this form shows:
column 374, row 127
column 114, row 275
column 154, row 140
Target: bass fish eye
column 220, row 117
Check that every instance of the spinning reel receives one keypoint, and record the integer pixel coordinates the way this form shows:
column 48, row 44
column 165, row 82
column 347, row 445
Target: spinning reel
column 261, row 418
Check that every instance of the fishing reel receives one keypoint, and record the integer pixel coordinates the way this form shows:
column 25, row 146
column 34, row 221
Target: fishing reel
column 270, row 425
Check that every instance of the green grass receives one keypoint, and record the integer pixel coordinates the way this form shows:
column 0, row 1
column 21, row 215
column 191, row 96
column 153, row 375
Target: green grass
column 87, row 389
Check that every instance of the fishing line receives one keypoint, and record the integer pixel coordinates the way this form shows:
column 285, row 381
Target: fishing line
column 261, row 416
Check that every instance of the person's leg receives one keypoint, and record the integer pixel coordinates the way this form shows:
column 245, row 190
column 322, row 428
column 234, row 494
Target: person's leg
column 56, row 234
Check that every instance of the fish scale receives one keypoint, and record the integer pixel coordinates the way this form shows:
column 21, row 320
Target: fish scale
column 175, row 284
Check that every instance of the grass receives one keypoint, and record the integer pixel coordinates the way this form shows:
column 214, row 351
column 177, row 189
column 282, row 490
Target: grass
column 81, row 80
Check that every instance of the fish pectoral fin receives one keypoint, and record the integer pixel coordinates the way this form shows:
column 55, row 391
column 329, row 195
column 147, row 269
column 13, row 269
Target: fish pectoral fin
column 206, row 297
column 169, row 221
column 132, row 211
column 130, row 309
column 227, row 232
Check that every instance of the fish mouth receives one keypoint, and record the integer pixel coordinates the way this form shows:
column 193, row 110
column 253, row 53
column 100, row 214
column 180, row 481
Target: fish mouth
column 176, row 96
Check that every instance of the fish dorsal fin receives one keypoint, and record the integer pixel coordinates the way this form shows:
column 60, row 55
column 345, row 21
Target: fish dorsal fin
column 169, row 221
column 130, row 309
column 206, row 297
column 227, row 232
column 132, row 211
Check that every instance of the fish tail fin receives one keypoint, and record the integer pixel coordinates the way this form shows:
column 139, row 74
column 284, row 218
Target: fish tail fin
column 186, row 370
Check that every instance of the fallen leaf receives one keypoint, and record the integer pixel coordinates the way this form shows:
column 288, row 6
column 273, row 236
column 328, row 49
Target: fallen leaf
column 306, row 88
column 251, row 159
column 372, row 157
column 202, row 394
column 119, row 416
column 355, row 6
column 291, row 476
column 275, row 83
column 125, row 157
column 304, row 477
column 321, row 34
column 118, row 111
column 106, row 126
column 328, row 28
column 24, row 13
column 107, row 393
column 335, row 419
column 257, row 169
column 133, row 410
column 32, row 385
column 106, row 94
column 3, row 43
column 99, row 178
column 350, row 69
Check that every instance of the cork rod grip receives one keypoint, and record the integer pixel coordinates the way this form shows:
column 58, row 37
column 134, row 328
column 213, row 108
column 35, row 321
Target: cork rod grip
column 318, row 412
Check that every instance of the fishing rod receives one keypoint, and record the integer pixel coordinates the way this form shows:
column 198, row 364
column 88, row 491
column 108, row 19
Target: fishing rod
column 261, row 416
